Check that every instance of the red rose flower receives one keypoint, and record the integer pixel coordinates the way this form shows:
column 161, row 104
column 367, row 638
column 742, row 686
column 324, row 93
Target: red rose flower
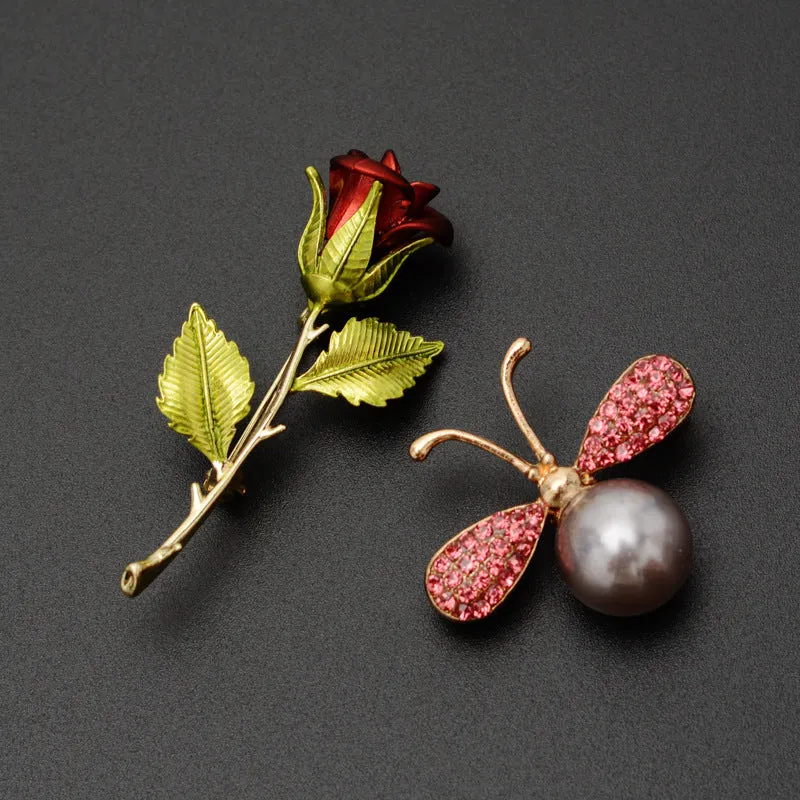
column 376, row 220
column 403, row 214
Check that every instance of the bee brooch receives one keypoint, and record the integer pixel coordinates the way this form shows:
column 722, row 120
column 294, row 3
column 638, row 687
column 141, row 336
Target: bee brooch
column 623, row 546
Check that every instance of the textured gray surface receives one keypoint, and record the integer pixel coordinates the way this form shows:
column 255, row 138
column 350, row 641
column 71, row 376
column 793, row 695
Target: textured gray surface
column 623, row 178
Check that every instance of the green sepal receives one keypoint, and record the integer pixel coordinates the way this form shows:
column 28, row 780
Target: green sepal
column 205, row 386
column 314, row 234
column 368, row 361
column 326, row 291
column 346, row 256
column 378, row 277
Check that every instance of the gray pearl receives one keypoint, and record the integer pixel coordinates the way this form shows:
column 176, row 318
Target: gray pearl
column 624, row 547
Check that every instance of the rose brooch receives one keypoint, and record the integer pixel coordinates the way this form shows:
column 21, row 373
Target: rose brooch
column 350, row 254
column 623, row 546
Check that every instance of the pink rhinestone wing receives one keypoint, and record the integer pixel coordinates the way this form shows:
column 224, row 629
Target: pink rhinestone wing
column 475, row 571
column 647, row 402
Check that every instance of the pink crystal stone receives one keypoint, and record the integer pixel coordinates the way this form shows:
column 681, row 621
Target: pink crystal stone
column 605, row 458
column 467, row 565
column 597, row 425
column 608, row 409
column 467, row 593
column 500, row 521
column 453, row 579
column 483, row 531
column 496, row 564
column 516, row 564
column 495, row 594
column 481, row 609
column 447, row 603
column 441, row 565
column 435, row 584
column 516, row 532
column 593, row 445
column 524, row 549
column 482, row 579
column 616, row 392
column 453, row 550
column 469, row 541
column 482, row 551
column 507, row 578
column 501, row 547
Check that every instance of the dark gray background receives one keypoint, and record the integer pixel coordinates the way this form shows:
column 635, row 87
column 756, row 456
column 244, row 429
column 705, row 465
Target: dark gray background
column 623, row 179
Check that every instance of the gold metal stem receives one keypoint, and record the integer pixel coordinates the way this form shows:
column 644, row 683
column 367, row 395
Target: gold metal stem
column 307, row 322
column 237, row 448
column 420, row 448
column 518, row 350
column 138, row 575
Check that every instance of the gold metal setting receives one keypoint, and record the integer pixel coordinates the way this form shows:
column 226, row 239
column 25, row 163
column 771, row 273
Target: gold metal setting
column 560, row 483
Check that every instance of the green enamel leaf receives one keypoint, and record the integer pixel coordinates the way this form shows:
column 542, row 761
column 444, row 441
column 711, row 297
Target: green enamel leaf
column 369, row 361
column 205, row 386
column 314, row 235
column 381, row 275
column 346, row 256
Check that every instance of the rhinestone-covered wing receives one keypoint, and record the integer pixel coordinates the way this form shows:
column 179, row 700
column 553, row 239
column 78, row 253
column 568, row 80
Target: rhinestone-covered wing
column 475, row 571
column 647, row 402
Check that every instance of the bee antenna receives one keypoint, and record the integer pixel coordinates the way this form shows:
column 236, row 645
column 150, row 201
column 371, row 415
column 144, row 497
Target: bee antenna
column 518, row 350
column 420, row 448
